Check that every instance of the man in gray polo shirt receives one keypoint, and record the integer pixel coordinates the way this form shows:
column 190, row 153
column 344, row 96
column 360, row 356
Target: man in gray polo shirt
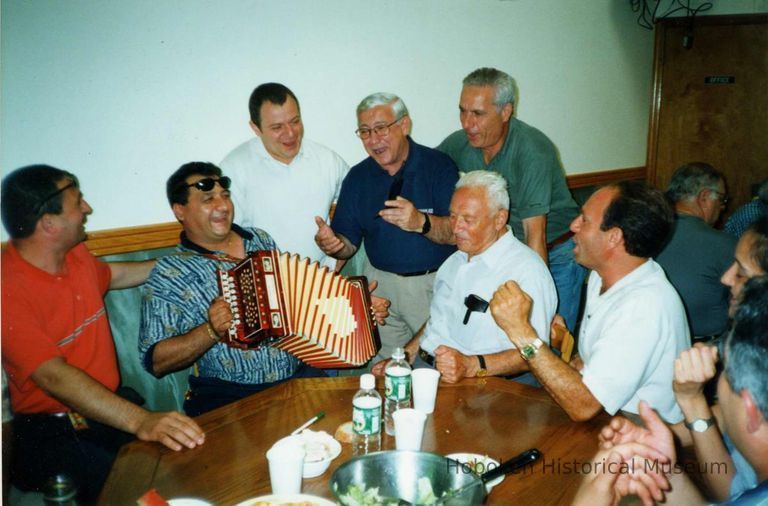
column 541, row 207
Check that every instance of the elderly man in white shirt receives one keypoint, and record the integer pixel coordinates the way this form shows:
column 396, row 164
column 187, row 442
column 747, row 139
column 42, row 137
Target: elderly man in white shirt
column 461, row 334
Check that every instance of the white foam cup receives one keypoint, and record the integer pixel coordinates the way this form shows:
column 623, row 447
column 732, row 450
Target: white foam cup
column 409, row 428
column 286, row 463
column 425, row 389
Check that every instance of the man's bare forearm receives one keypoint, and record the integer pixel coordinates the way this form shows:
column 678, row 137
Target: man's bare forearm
column 129, row 274
column 561, row 380
column 441, row 231
column 76, row 389
column 181, row 351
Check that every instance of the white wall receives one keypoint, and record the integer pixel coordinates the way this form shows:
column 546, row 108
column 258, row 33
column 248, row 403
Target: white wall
column 122, row 92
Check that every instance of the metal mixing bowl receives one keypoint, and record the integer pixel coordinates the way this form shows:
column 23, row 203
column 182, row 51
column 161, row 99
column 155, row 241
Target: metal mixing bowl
column 396, row 474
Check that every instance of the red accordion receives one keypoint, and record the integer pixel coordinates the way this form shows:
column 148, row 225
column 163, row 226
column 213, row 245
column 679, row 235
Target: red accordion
column 289, row 303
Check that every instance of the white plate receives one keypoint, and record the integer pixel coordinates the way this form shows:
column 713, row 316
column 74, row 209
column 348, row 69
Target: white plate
column 286, row 498
column 485, row 460
column 188, row 501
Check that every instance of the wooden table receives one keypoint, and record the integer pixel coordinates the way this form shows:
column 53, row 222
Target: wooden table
column 490, row 416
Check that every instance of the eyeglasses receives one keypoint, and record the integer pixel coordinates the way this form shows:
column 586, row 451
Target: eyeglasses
column 381, row 130
column 474, row 303
column 64, row 188
column 207, row 184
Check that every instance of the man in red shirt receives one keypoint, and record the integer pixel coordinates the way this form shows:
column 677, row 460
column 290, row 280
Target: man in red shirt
column 57, row 348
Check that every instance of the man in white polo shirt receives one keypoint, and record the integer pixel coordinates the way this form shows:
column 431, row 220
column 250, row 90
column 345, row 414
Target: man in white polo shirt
column 634, row 323
column 281, row 181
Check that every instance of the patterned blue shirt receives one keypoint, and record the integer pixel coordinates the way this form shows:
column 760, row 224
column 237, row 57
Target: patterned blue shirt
column 176, row 298
column 745, row 216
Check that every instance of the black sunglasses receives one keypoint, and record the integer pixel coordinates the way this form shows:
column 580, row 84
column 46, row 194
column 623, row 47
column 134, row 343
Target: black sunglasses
column 40, row 205
column 474, row 303
column 207, row 184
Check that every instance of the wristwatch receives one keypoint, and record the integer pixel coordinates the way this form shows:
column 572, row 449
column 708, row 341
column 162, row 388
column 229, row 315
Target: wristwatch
column 483, row 372
column 529, row 350
column 701, row 424
column 427, row 225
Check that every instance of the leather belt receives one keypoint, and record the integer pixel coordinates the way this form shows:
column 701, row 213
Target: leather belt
column 413, row 274
column 559, row 240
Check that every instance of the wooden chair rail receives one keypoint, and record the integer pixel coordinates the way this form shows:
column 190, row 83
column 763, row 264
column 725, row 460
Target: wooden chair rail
column 145, row 237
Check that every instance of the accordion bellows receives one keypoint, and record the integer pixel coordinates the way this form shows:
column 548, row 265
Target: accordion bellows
column 290, row 303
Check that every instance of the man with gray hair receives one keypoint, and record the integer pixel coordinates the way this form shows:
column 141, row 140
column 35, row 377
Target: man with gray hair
column 396, row 203
column 461, row 334
column 697, row 255
column 541, row 206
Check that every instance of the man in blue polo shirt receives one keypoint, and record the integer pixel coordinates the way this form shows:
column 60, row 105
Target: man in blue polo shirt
column 396, row 202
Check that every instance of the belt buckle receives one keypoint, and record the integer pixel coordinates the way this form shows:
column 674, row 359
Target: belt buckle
column 77, row 420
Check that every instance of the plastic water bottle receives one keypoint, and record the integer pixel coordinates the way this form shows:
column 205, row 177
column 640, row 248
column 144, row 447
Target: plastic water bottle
column 366, row 417
column 397, row 388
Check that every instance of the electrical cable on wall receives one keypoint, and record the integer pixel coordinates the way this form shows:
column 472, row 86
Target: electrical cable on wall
column 649, row 11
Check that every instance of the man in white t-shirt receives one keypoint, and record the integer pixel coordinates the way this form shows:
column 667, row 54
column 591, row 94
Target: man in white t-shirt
column 634, row 323
column 281, row 181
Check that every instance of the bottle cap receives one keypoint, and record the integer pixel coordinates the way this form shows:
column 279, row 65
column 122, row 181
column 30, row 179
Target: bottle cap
column 398, row 354
column 367, row 381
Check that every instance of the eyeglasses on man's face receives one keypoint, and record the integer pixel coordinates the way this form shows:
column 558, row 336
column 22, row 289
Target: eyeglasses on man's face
column 381, row 130
column 207, row 184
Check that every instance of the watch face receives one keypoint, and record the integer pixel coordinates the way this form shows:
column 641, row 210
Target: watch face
column 700, row 425
column 528, row 351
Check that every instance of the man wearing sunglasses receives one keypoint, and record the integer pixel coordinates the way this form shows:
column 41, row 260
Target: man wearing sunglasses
column 183, row 317
column 56, row 341
column 395, row 202
column 461, row 336
column 281, row 181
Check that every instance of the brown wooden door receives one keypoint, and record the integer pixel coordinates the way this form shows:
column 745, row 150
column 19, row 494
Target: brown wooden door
column 710, row 102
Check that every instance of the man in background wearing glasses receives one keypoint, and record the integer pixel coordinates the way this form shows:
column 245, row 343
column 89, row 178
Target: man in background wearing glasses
column 697, row 254
column 281, row 181
column 395, row 202
column 57, row 344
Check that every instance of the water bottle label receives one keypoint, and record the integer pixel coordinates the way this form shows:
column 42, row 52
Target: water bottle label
column 397, row 388
column 366, row 421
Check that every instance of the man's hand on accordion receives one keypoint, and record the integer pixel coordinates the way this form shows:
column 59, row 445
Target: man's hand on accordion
column 220, row 316
column 379, row 305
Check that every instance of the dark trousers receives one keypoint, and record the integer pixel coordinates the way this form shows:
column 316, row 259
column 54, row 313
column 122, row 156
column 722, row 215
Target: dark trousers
column 206, row 394
column 47, row 445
